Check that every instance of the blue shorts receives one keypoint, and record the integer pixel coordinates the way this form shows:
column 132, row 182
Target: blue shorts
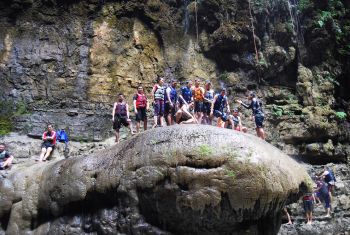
column 159, row 108
column 198, row 106
column 221, row 115
column 308, row 205
column 259, row 119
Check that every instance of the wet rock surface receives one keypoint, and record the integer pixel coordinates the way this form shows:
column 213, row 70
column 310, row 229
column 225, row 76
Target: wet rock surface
column 180, row 180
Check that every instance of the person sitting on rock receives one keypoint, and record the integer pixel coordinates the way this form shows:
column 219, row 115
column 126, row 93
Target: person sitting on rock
column 49, row 143
column 258, row 113
column 5, row 158
column 220, row 102
column 158, row 93
column 236, row 122
column 171, row 98
column 323, row 191
column 120, row 116
column 183, row 115
column 198, row 98
column 308, row 204
column 141, row 106
column 208, row 99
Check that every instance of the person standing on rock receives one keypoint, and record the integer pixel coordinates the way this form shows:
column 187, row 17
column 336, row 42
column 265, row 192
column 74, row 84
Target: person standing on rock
column 329, row 179
column 186, row 93
column 158, row 93
column 258, row 113
column 198, row 97
column 171, row 102
column 5, row 158
column 120, row 116
column 323, row 190
column 308, row 204
column 208, row 99
column 141, row 106
column 49, row 138
column 220, row 102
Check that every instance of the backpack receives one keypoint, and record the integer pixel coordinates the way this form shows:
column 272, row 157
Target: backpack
column 330, row 176
column 62, row 136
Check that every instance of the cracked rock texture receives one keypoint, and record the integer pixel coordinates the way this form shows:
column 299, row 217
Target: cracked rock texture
column 180, row 180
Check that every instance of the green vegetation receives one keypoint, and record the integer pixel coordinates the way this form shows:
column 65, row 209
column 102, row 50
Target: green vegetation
column 323, row 17
column 231, row 174
column 223, row 76
column 8, row 111
column 205, row 150
column 341, row 116
column 305, row 4
column 277, row 111
column 332, row 80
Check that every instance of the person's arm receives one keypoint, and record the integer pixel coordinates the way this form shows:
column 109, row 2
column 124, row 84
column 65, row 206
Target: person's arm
column 44, row 136
column 127, row 111
column 134, row 103
column 228, row 106
column 240, row 123
column 147, row 104
column 113, row 112
column 153, row 91
column 183, row 100
column 212, row 104
column 203, row 91
column 168, row 95
column 53, row 137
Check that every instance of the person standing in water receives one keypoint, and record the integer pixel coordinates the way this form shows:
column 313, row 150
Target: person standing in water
column 120, row 116
column 258, row 113
column 158, row 93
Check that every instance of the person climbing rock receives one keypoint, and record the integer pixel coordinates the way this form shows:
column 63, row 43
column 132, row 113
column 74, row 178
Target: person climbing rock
column 236, row 122
column 158, row 93
column 285, row 210
column 324, row 194
column 208, row 99
column 186, row 93
column 258, row 113
column 198, row 98
column 5, row 158
column 220, row 102
column 171, row 102
column 49, row 143
column 329, row 179
column 120, row 116
column 141, row 106
column 183, row 115
column 308, row 204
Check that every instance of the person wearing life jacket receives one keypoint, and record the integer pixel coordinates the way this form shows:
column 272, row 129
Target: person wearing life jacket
column 324, row 194
column 258, row 113
column 141, row 106
column 236, row 121
column 220, row 102
column 121, row 116
column 186, row 93
column 5, row 158
column 49, row 143
column 308, row 204
column 198, row 98
column 329, row 179
column 171, row 98
column 158, row 93
column 208, row 99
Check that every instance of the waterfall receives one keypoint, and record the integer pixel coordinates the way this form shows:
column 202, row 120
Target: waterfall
column 187, row 17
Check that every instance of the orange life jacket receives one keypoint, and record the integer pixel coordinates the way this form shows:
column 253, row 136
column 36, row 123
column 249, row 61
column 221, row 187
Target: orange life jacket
column 198, row 94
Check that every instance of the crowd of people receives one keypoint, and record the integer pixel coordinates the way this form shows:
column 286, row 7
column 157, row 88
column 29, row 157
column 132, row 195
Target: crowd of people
column 192, row 104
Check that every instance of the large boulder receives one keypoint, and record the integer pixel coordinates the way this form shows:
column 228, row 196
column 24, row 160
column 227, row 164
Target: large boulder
column 191, row 179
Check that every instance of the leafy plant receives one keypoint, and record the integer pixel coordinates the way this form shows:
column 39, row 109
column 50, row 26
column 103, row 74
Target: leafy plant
column 304, row 4
column 205, row 150
column 277, row 111
column 324, row 16
column 231, row 174
column 341, row 116
column 223, row 76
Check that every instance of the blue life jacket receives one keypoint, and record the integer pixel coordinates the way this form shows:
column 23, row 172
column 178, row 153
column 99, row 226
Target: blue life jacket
column 62, row 136
column 186, row 94
column 220, row 103
column 257, row 107
column 209, row 95
column 173, row 95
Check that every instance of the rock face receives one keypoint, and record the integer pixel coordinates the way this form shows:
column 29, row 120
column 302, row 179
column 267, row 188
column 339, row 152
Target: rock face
column 175, row 180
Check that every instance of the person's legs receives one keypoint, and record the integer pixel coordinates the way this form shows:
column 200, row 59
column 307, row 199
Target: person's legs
column 48, row 152
column 287, row 214
column 327, row 205
column 145, row 124
column 117, row 135
column 178, row 116
column 42, row 154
